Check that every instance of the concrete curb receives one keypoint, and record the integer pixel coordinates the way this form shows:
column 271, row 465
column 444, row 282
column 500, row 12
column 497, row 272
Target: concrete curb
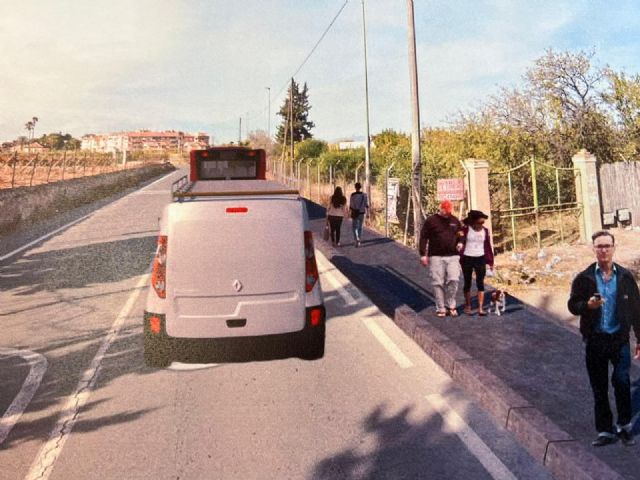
column 564, row 456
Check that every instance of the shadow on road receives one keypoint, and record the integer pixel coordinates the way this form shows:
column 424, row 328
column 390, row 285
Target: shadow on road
column 395, row 446
column 78, row 267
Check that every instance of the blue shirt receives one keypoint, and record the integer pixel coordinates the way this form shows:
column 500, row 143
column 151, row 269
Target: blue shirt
column 608, row 289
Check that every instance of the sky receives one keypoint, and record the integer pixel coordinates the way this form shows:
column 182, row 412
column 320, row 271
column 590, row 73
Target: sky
column 199, row 65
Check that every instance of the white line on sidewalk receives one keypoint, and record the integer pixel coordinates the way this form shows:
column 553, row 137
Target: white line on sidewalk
column 400, row 358
column 455, row 424
column 43, row 465
column 70, row 224
column 38, row 365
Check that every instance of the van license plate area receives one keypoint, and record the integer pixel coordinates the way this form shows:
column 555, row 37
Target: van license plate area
column 236, row 323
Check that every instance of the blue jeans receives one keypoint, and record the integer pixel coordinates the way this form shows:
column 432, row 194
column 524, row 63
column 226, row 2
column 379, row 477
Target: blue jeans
column 603, row 349
column 356, row 226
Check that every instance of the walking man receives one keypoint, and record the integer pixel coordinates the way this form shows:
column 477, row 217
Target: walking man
column 438, row 249
column 606, row 297
column 358, row 205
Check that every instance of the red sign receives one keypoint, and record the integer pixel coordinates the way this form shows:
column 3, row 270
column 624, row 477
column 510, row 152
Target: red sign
column 450, row 189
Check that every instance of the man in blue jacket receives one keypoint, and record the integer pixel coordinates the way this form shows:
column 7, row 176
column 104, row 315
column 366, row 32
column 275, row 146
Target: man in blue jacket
column 606, row 297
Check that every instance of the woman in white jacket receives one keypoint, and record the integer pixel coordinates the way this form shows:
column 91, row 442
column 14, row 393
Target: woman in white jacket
column 336, row 210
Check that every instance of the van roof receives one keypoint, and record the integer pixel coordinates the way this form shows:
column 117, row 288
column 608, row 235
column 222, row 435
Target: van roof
column 225, row 188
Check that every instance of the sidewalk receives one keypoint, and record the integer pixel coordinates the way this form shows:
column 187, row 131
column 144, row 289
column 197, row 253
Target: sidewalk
column 540, row 359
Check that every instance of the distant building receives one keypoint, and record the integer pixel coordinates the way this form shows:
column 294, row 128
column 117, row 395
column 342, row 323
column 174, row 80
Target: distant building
column 142, row 140
column 351, row 145
column 25, row 147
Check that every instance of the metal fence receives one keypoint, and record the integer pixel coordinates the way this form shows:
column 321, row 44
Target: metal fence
column 533, row 203
column 22, row 169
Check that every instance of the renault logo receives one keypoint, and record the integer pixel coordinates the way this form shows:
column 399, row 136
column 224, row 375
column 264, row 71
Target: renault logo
column 237, row 285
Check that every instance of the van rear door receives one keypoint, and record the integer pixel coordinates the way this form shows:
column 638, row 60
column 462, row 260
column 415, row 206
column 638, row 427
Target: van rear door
column 235, row 267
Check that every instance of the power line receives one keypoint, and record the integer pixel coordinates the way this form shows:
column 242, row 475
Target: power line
column 324, row 34
column 306, row 59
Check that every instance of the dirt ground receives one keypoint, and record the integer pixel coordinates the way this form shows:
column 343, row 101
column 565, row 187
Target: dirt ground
column 543, row 277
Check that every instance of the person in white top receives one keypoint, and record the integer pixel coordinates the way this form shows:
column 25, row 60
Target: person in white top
column 336, row 210
column 477, row 252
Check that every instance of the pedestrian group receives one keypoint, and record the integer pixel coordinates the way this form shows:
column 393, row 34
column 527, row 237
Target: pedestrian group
column 605, row 296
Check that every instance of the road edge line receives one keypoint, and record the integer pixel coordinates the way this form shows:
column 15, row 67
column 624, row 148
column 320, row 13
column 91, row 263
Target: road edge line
column 38, row 366
column 43, row 465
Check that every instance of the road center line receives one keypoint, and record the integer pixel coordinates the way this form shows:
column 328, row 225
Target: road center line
column 38, row 365
column 455, row 424
column 43, row 465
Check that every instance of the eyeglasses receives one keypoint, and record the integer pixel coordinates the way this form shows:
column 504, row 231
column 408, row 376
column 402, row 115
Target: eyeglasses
column 604, row 246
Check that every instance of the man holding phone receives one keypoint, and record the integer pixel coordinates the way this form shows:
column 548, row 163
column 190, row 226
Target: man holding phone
column 606, row 297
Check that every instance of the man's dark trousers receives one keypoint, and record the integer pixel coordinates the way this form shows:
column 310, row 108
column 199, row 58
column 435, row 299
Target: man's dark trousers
column 603, row 348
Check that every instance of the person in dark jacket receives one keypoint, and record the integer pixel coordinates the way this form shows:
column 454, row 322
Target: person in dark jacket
column 438, row 250
column 477, row 253
column 606, row 297
column 358, row 206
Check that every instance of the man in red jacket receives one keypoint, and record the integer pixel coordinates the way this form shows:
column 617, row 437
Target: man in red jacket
column 438, row 241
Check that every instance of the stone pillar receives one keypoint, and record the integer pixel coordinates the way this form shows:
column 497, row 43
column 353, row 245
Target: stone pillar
column 477, row 185
column 587, row 194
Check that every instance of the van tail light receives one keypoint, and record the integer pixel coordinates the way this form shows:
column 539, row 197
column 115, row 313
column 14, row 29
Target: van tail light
column 311, row 268
column 159, row 270
column 315, row 316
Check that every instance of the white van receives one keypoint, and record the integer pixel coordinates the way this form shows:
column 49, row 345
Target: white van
column 235, row 258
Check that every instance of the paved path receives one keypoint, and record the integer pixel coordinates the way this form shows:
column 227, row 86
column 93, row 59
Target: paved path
column 539, row 358
column 374, row 407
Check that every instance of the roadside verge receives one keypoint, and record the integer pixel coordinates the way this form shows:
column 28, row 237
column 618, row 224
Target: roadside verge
column 24, row 205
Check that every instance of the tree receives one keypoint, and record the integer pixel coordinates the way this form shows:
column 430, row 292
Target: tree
column 301, row 124
column 311, row 148
column 623, row 97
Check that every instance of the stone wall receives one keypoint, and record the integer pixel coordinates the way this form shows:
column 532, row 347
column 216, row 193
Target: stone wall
column 23, row 205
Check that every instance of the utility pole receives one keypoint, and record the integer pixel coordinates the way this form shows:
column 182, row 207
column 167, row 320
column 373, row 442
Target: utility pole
column 416, row 176
column 240, row 132
column 367, row 151
column 291, row 121
column 268, row 112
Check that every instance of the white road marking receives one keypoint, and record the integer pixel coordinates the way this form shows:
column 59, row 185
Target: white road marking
column 184, row 367
column 38, row 365
column 335, row 282
column 70, row 224
column 43, row 465
column 400, row 358
column 339, row 281
column 455, row 424
column 43, row 237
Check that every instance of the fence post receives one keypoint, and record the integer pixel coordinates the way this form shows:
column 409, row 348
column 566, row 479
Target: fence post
column 33, row 170
column 513, row 219
column 13, row 171
column 559, row 213
column 64, row 163
column 50, row 167
column 587, row 193
column 536, row 209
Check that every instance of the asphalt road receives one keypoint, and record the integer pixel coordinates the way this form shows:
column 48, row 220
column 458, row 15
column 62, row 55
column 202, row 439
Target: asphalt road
column 80, row 404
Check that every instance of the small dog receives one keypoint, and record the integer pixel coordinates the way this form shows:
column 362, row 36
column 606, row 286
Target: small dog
column 498, row 302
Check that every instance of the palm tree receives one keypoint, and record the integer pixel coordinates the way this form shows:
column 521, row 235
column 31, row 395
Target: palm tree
column 29, row 128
